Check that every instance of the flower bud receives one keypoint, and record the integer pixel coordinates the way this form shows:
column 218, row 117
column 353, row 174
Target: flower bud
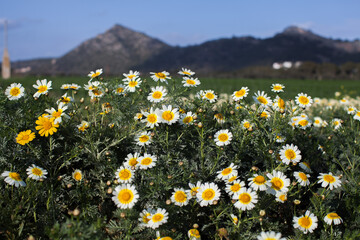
column 109, row 191
column 76, row 212
column 262, row 213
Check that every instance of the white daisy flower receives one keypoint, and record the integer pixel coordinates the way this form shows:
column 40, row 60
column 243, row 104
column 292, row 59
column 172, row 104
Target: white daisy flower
column 152, row 118
column 258, row 182
column 279, row 138
column 344, row 101
column 186, row 72
column 187, row 119
column 333, row 218
column 265, row 114
column 36, row 173
column 246, row 199
column 219, row 118
column 290, row 153
column 281, row 197
column 223, row 137
column 317, row 100
column 158, row 218
column 210, row 96
column 131, row 75
column 125, row 196
column 240, row 94
column 97, row 93
column 14, row 91
column 234, row 187
column 77, row 175
column 74, row 86
column 65, row 99
column 303, row 100
column 336, row 123
column 352, row 110
column 306, row 223
column 207, row 194
column 246, row 125
column 147, row 161
column 131, row 160
column 279, row 104
column 143, row 138
column 302, row 178
column 328, row 179
column 227, row 172
column 234, row 219
column 357, row 115
column 145, row 217
column 58, row 114
column 278, row 182
column 91, row 86
column 83, row 126
column 262, row 99
column 157, row 94
column 194, row 188
column 120, row 89
column 42, row 87
column 13, row 178
column 169, row 114
column 305, row 166
column 318, row 121
column 162, row 76
column 277, row 87
column 190, row 82
column 270, row 236
column 132, row 84
column 180, row 197
column 65, row 86
column 303, row 123
column 124, row 175
column 95, row 74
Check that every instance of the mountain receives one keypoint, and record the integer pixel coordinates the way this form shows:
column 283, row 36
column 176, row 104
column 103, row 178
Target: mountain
column 120, row 49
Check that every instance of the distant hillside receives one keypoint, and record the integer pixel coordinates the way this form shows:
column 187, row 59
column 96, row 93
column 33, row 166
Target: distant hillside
column 120, row 49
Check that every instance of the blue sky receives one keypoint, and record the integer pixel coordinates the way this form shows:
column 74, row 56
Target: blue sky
column 45, row 28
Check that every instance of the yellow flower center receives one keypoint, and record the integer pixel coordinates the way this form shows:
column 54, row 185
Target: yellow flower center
column 160, row 75
column 157, row 217
column 133, row 162
column 240, row 93
column 188, row 119
column 317, row 121
column 119, row 90
column 246, row 125
column 15, row 176
column 190, row 82
column 305, row 222
column 303, row 100
column 168, row 115
column 144, row 138
column 57, row 114
column 209, row 95
column 125, row 196
column 133, row 84
column 260, row 180
column 36, row 171
column 47, row 124
column 236, row 187
column 194, row 233
column 329, row 178
column 15, row 91
column 146, row 161
column 358, row 114
column 226, row 171
column 25, row 137
column 157, row 95
column 277, row 183
column 180, row 196
column 194, row 190
column 303, row 176
column 125, row 174
column 152, row 118
column 187, row 73
column 97, row 92
column 290, row 154
column 245, row 198
column 303, row 122
column 333, row 216
column 131, row 76
column 232, row 179
column 262, row 100
column 223, row 137
column 145, row 219
column 264, row 115
column 77, row 176
column 65, row 100
column 282, row 197
column 95, row 74
column 277, row 88
column 281, row 103
column 42, row 88
column 208, row 194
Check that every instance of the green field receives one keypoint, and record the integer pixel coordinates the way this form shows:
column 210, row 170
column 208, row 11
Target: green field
column 314, row 88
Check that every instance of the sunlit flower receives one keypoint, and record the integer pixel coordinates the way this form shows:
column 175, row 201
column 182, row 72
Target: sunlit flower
column 210, row 96
column 234, row 187
column 290, row 153
column 318, row 121
column 333, row 218
column 258, row 182
column 157, row 94
column 265, row 114
column 270, row 236
column 83, row 126
column 124, row 175
column 36, row 173
column 302, row 178
column 240, row 94
column 13, row 178
column 162, row 76
column 219, row 118
column 190, row 82
column 97, row 93
column 227, row 172
column 120, row 89
column 180, row 197
column 132, row 84
column 328, row 179
column 143, row 138
column 187, row 119
column 303, row 123
column 65, row 99
column 125, row 196
column 42, row 87
column 352, row 110
column 15, row 91
column 281, row 197
column 152, row 118
column 246, row 199
column 278, row 182
column 306, row 223
column 207, row 194
column 186, row 72
column 95, row 74
column 234, row 219
column 145, row 217
column 279, row 104
column 25, row 137
column 246, row 125
column 91, row 86
column 131, row 75
column 147, row 161
column 169, row 114
column 194, row 234
column 46, row 126
column 131, row 160
column 262, row 99
column 77, row 175
column 58, row 114
column 277, row 87
column 336, row 123
column 158, row 218
column 223, row 137
column 194, row 189
column 303, row 100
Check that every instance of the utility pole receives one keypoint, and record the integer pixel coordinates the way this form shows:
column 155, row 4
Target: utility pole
column 6, row 68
